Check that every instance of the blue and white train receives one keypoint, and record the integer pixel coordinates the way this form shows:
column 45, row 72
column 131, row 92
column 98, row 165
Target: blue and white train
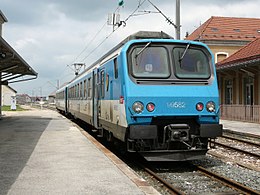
column 156, row 94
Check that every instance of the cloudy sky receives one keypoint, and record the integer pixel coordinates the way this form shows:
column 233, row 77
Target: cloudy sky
column 53, row 34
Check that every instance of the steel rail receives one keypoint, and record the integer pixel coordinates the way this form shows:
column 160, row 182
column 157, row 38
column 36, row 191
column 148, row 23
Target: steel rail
column 241, row 140
column 228, row 182
column 165, row 183
column 236, row 149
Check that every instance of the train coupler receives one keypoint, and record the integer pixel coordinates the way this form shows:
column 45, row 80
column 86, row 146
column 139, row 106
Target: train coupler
column 177, row 132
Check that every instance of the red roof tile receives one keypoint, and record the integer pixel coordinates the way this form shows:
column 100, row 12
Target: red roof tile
column 249, row 52
column 227, row 28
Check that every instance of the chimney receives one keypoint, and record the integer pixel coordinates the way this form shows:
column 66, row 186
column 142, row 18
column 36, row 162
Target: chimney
column 3, row 19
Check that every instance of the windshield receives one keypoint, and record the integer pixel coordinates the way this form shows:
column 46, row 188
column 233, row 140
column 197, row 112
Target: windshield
column 150, row 62
column 194, row 64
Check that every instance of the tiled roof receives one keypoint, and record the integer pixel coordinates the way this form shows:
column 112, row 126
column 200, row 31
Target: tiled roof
column 227, row 28
column 247, row 53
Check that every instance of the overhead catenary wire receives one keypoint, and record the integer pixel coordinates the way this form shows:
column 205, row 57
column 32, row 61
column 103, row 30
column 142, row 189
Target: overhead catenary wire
column 167, row 18
column 132, row 14
column 140, row 3
column 90, row 42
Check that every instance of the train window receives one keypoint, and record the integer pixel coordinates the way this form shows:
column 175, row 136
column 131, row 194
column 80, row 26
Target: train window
column 74, row 95
column 191, row 63
column 77, row 91
column 85, row 88
column 70, row 92
column 74, row 92
column 107, row 82
column 89, row 87
column 150, row 62
column 115, row 68
column 102, row 84
column 80, row 90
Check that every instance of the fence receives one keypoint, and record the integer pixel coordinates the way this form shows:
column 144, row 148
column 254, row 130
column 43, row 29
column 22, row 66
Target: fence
column 246, row 113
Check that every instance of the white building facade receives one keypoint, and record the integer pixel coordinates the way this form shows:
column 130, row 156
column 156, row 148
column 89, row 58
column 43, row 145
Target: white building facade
column 7, row 94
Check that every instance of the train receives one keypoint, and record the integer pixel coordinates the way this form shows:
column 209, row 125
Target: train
column 157, row 95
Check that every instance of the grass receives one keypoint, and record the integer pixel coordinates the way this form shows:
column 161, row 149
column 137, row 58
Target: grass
column 8, row 108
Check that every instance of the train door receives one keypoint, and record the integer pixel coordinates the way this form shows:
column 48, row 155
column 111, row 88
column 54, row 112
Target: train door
column 95, row 98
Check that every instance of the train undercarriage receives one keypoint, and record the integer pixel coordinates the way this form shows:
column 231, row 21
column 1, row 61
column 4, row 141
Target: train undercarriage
column 172, row 141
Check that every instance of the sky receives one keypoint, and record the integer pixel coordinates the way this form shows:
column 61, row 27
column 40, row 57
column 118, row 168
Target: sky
column 51, row 35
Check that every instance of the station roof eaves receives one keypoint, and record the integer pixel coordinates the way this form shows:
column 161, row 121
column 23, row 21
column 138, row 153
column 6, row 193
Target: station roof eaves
column 227, row 29
column 12, row 89
column 12, row 65
column 3, row 16
column 244, row 56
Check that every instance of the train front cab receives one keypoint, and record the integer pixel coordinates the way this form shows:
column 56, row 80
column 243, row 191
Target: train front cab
column 172, row 100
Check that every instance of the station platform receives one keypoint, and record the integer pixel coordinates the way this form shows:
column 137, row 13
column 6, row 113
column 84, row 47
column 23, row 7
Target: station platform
column 252, row 129
column 42, row 152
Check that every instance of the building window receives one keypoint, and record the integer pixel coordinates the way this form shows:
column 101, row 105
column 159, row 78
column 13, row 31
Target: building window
column 219, row 56
column 249, row 91
column 228, row 92
column 214, row 29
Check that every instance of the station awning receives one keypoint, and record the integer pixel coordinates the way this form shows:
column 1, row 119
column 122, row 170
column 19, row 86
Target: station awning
column 13, row 68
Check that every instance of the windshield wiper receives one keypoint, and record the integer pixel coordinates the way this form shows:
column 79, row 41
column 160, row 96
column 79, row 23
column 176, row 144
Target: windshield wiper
column 143, row 49
column 184, row 53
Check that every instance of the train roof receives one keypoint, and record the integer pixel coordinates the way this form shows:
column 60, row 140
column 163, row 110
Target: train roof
column 137, row 35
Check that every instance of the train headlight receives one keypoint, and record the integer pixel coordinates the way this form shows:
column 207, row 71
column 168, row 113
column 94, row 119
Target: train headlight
column 138, row 107
column 150, row 107
column 211, row 106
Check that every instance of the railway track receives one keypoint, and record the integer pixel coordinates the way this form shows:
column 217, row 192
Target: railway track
column 241, row 152
column 197, row 180
column 242, row 136
column 238, row 145
column 246, row 141
column 228, row 182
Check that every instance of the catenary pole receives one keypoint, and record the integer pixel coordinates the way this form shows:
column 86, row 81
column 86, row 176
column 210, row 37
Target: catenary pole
column 178, row 25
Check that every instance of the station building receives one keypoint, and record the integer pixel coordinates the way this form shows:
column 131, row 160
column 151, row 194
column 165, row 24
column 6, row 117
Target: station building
column 13, row 68
column 239, row 83
column 7, row 94
column 235, row 43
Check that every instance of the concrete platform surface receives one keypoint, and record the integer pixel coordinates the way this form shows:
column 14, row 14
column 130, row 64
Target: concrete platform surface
column 242, row 127
column 41, row 152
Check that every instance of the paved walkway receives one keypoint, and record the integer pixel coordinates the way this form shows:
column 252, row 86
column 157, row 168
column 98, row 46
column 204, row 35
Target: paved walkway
column 243, row 127
column 41, row 152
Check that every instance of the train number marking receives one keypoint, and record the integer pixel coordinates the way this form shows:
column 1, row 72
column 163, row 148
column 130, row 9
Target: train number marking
column 177, row 105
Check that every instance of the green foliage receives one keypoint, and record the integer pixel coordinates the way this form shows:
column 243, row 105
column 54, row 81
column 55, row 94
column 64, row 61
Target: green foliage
column 8, row 108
